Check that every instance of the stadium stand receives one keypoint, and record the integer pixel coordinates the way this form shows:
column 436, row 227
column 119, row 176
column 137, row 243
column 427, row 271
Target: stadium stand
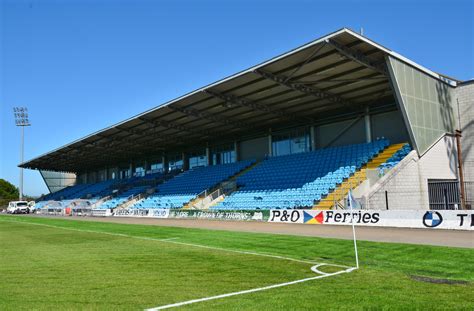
column 352, row 92
column 94, row 192
column 65, row 193
column 123, row 197
column 186, row 186
column 303, row 180
column 298, row 180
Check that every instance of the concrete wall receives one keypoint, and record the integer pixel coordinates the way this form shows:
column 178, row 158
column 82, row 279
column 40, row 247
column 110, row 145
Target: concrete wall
column 407, row 183
column 389, row 125
column 327, row 135
column 465, row 98
column 253, row 149
column 82, row 178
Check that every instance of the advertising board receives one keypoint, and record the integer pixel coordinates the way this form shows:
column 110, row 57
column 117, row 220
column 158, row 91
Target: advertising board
column 442, row 219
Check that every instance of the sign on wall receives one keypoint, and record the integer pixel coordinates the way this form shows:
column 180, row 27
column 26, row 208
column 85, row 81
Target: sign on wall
column 222, row 215
column 442, row 219
column 152, row 213
column 193, row 214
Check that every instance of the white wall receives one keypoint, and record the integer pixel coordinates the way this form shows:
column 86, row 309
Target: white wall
column 407, row 183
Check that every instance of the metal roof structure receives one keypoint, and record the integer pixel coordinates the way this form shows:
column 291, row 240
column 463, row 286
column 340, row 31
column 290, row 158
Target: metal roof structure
column 338, row 74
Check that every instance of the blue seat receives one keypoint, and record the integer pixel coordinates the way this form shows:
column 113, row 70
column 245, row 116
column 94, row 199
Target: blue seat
column 299, row 180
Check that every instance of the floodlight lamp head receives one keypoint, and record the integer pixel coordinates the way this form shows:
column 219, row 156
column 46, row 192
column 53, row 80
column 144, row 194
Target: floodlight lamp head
column 21, row 116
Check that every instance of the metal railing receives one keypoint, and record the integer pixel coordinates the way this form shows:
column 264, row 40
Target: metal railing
column 131, row 200
column 99, row 202
column 444, row 194
column 206, row 198
column 469, row 194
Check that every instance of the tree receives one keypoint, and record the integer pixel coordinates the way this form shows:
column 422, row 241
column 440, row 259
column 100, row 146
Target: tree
column 8, row 192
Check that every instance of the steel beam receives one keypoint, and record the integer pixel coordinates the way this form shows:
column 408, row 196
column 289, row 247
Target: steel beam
column 319, row 94
column 357, row 56
column 204, row 115
column 171, row 125
column 255, row 105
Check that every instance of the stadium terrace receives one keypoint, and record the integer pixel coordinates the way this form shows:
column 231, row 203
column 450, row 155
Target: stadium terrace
column 341, row 113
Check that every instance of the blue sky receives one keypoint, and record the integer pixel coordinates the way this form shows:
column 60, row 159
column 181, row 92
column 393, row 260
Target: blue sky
column 81, row 66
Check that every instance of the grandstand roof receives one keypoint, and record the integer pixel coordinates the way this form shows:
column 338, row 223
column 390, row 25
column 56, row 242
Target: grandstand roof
column 333, row 76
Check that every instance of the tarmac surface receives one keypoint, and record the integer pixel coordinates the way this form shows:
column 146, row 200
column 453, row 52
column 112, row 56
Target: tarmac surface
column 439, row 237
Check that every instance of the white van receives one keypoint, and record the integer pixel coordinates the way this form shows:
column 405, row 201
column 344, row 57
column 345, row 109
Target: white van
column 18, row 207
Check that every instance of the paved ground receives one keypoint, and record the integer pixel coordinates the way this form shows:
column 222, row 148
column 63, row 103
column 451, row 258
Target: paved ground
column 455, row 238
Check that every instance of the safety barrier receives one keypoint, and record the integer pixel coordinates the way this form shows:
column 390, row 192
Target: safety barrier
column 440, row 219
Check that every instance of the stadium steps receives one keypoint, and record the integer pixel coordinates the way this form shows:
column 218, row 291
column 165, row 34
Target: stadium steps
column 194, row 201
column 198, row 200
column 359, row 176
column 233, row 179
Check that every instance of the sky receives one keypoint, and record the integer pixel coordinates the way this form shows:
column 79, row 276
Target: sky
column 80, row 66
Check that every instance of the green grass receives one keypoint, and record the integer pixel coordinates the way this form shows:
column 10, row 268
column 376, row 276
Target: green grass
column 44, row 268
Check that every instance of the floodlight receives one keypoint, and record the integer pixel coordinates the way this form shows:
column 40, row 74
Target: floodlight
column 22, row 120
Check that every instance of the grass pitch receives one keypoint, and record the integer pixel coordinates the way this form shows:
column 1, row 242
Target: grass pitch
column 101, row 266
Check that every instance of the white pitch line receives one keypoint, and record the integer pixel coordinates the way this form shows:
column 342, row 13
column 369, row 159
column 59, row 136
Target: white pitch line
column 248, row 291
column 171, row 240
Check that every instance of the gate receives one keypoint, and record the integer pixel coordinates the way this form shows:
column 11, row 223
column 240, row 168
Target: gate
column 444, row 194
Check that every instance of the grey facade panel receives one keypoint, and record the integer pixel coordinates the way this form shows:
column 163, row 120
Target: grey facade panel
column 427, row 104
column 465, row 100
column 56, row 181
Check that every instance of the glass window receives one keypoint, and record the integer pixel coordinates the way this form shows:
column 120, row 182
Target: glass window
column 156, row 167
column 175, row 162
column 175, row 165
column 223, row 154
column 139, row 171
column 124, row 173
column 197, row 158
column 291, row 142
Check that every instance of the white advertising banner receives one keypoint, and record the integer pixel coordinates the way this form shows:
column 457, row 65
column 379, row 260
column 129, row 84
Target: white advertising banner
column 152, row 213
column 443, row 219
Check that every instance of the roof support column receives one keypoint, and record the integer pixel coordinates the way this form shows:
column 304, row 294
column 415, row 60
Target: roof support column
column 185, row 162
column 208, row 156
column 312, row 138
column 270, row 144
column 164, row 162
column 145, row 166
column 368, row 126
column 130, row 170
column 236, row 150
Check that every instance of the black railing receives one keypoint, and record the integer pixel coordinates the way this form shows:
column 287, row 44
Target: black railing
column 446, row 194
